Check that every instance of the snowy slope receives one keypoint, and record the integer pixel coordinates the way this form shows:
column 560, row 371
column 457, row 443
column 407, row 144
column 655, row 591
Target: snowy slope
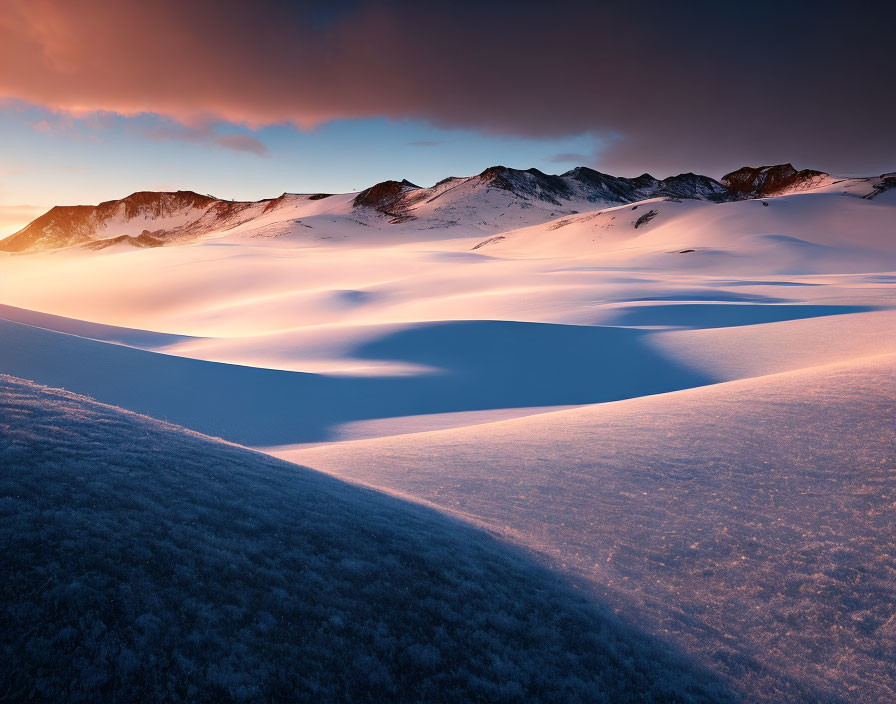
column 321, row 342
column 246, row 284
column 146, row 219
column 820, row 231
column 452, row 367
column 143, row 562
column 750, row 522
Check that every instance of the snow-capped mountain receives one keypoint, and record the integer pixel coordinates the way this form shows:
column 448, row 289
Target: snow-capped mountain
column 498, row 191
column 142, row 219
column 497, row 200
column 763, row 181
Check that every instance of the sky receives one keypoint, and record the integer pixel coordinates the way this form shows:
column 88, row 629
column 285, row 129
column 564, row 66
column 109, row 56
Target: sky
column 100, row 99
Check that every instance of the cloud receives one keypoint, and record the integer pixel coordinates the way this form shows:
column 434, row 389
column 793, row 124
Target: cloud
column 703, row 86
column 242, row 143
column 79, row 124
column 166, row 130
column 570, row 158
column 55, row 121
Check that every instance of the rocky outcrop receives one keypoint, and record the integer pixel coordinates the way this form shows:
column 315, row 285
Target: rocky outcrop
column 388, row 198
column 384, row 196
column 646, row 218
column 66, row 226
column 61, row 226
column 155, row 204
column 764, row 181
column 144, row 239
column 887, row 181
column 691, row 185
column 177, row 216
column 597, row 186
column 530, row 184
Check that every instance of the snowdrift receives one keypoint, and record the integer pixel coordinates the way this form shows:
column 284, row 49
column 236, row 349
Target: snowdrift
column 750, row 522
column 146, row 563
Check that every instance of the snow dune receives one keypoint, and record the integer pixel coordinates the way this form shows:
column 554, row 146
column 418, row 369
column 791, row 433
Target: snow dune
column 324, row 342
column 749, row 522
column 477, row 365
column 142, row 562
column 143, row 339
column 802, row 232
column 463, row 367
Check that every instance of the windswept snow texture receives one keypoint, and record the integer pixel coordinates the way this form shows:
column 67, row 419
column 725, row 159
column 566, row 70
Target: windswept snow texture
column 145, row 563
column 751, row 523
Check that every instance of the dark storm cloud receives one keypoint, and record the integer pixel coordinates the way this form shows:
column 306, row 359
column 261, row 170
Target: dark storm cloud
column 701, row 86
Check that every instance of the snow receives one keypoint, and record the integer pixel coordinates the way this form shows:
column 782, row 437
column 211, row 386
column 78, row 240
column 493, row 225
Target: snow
column 119, row 224
column 749, row 522
column 691, row 420
column 143, row 562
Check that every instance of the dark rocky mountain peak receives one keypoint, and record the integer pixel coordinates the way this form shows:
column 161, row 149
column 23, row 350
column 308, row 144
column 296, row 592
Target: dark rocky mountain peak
column 528, row 184
column 386, row 197
column 762, row 181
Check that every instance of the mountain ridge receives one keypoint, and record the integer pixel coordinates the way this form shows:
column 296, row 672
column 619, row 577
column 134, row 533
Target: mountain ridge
column 158, row 218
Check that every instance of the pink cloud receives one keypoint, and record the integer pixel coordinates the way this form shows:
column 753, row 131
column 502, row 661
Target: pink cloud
column 203, row 134
column 242, row 143
column 57, row 121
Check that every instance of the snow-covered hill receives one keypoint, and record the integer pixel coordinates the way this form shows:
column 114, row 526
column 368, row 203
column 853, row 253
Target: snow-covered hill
column 821, row 230
column 142, row 562
column 751, row 522
column 498, row 200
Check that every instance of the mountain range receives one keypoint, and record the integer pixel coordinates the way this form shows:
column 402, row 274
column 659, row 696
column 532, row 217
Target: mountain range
column 496, row 200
